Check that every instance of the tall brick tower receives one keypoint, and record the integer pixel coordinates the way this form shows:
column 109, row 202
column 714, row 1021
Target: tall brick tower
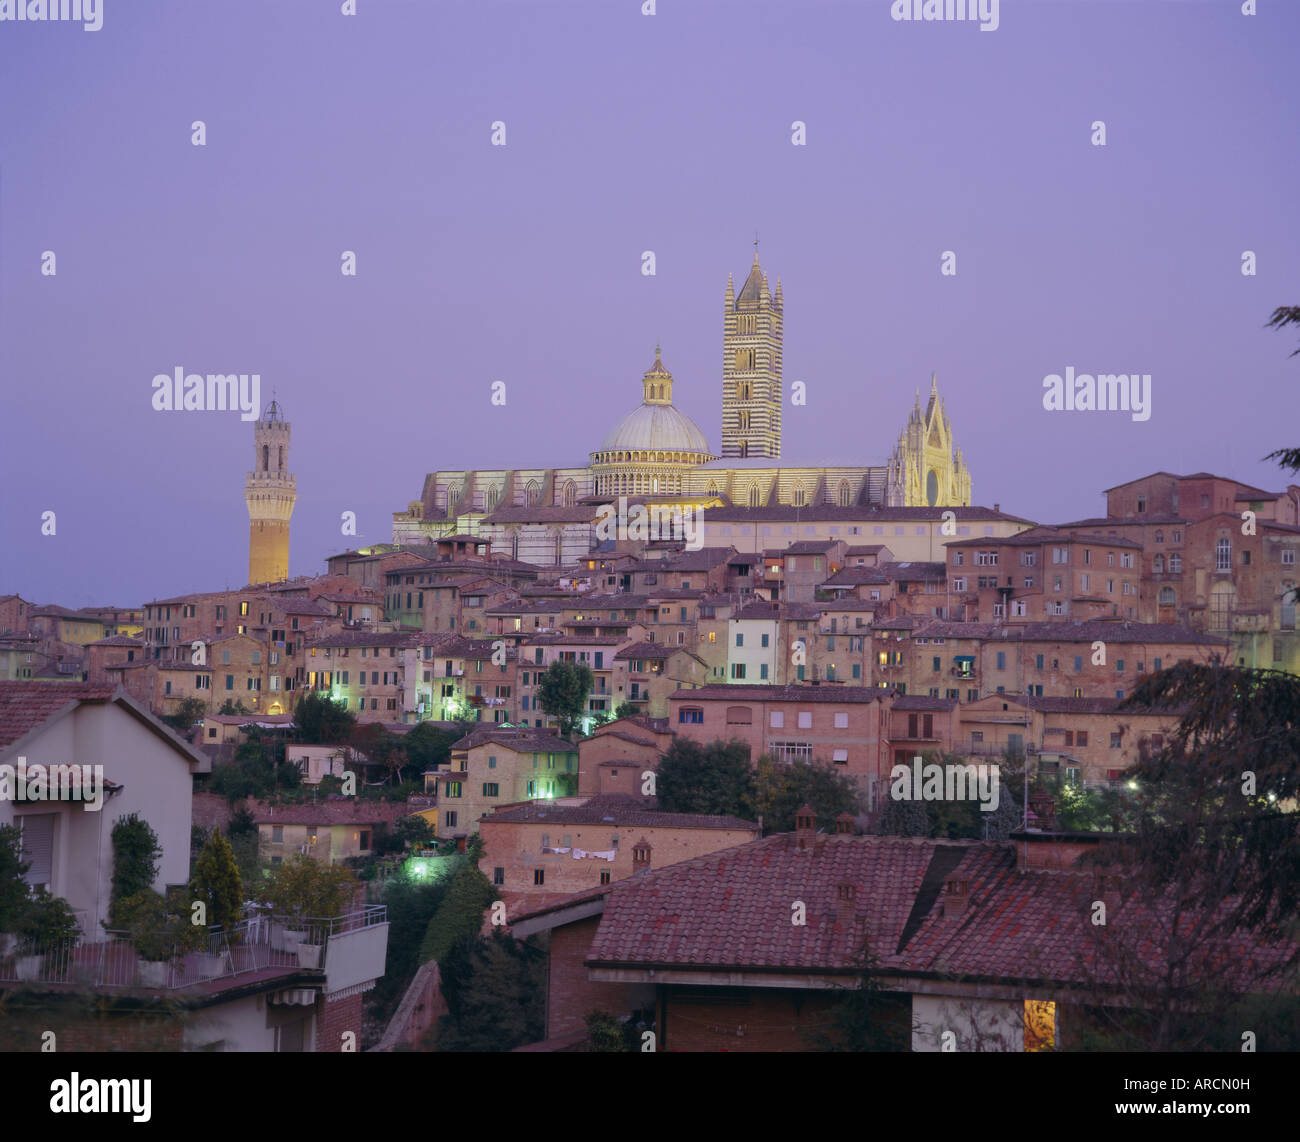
column 751, row 367
column 270, row 492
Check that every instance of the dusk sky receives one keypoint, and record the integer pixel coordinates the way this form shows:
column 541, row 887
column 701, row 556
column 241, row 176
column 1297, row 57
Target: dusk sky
column 625, row 133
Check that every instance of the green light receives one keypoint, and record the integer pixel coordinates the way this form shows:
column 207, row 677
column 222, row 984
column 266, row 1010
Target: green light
column 419, row 869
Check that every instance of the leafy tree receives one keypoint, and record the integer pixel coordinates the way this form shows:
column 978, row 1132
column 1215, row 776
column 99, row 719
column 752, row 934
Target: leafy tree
column 136, row 853
column 321, row 720
column 1208, row 864
column 495, row 995
column 562, row 693
column 460, row 913
column 428, row 746
column 604, row 1032
column 306, row 889
column 626, row 710
column 241, row 823
column 714, row 778
column 381, row 746
column 13, row 889
column 867, row 1017
column 411, row 904
column 187, row 713
column 782, row 789
column 903, row 819
column 216, row 882
column 1284, row 315
column 231, row 707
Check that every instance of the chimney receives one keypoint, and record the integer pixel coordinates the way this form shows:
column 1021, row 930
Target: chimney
column 997, row 507
column 805, row 826
column 844, row 823
column 641, row 852
column 956, row 896
column 1042, row 807
column 845, row 893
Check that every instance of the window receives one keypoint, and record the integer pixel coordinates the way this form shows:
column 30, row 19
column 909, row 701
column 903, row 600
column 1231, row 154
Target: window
column 738, row 670
column 453, row 789
column 539, row 876
column 739, row 716
column 277, row 834
column 777, row 720
column 491, row 789
column 449, row 818
column 604, row 876
column 740, row 640
column 1114, row 740
column 1288, row 556
column 842, row 721
column 805, row 719
column 690, row 715
column 1175, row 563
column 1002, row 659
column 1081, row 738
column 498, row 876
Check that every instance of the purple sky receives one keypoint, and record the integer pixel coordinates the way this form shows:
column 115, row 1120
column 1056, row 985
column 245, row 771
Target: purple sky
column 625, row 133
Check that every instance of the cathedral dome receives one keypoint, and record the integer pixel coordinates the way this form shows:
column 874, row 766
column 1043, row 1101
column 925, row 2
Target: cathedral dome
column 655, row 423
column 647, row 451
column 656, row 426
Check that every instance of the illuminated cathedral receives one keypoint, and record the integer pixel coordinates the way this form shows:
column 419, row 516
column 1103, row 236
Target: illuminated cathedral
column 544, row 515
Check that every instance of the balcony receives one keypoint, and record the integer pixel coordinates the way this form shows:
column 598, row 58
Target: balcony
column 263, row 947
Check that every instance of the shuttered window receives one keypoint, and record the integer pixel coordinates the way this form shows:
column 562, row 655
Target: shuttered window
column 38, row 847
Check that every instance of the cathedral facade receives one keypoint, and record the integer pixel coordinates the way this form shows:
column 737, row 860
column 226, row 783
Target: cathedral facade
column 545, row 515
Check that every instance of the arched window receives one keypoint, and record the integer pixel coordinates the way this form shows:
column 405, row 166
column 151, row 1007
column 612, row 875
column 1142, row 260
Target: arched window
column 514, row 545
column 1158, row 564
column 1160, row 536
column 1223, row 555
column 744, row 420
column 266, row 458
column 845, row 494
column 799, row 497
column 281, row 457
column 713, row 487
column 559, row 548
column 570, row 494
column 740, row 716
column 1166, row 597
column 532, row 493
column 753, row 495
column 490, row 499
column 743, row 390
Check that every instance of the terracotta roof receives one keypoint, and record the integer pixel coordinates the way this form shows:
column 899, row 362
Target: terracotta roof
column 118, row 640
column 810, row 547
column 855, row 576
column 807, row 692
column 344, row 811
column 648, row 650
column 829, row 513
column 26, row 705
column 351, row 638
column 1091, row 630
column 619, row 809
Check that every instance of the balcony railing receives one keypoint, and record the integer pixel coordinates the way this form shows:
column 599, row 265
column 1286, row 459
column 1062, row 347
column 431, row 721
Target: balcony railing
column 258, row 944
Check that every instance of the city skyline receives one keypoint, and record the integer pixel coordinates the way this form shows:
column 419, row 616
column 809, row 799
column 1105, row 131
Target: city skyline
column 523, row 264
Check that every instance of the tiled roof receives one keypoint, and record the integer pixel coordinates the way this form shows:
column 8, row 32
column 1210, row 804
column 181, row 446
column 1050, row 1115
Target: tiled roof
column 865, row 549
column 618, row 809
column 912, row 571
column 1091, row 630
column 360, row 638
column 26, row 705
column 810, row 547
column 118, row 640
column 922, row 702
column 828, row 513
column 648, row 650
column 1036, row 536
column 345, row 811
column 731, row 909
column 807, row 692
column 855, row 576
column 521, row 739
